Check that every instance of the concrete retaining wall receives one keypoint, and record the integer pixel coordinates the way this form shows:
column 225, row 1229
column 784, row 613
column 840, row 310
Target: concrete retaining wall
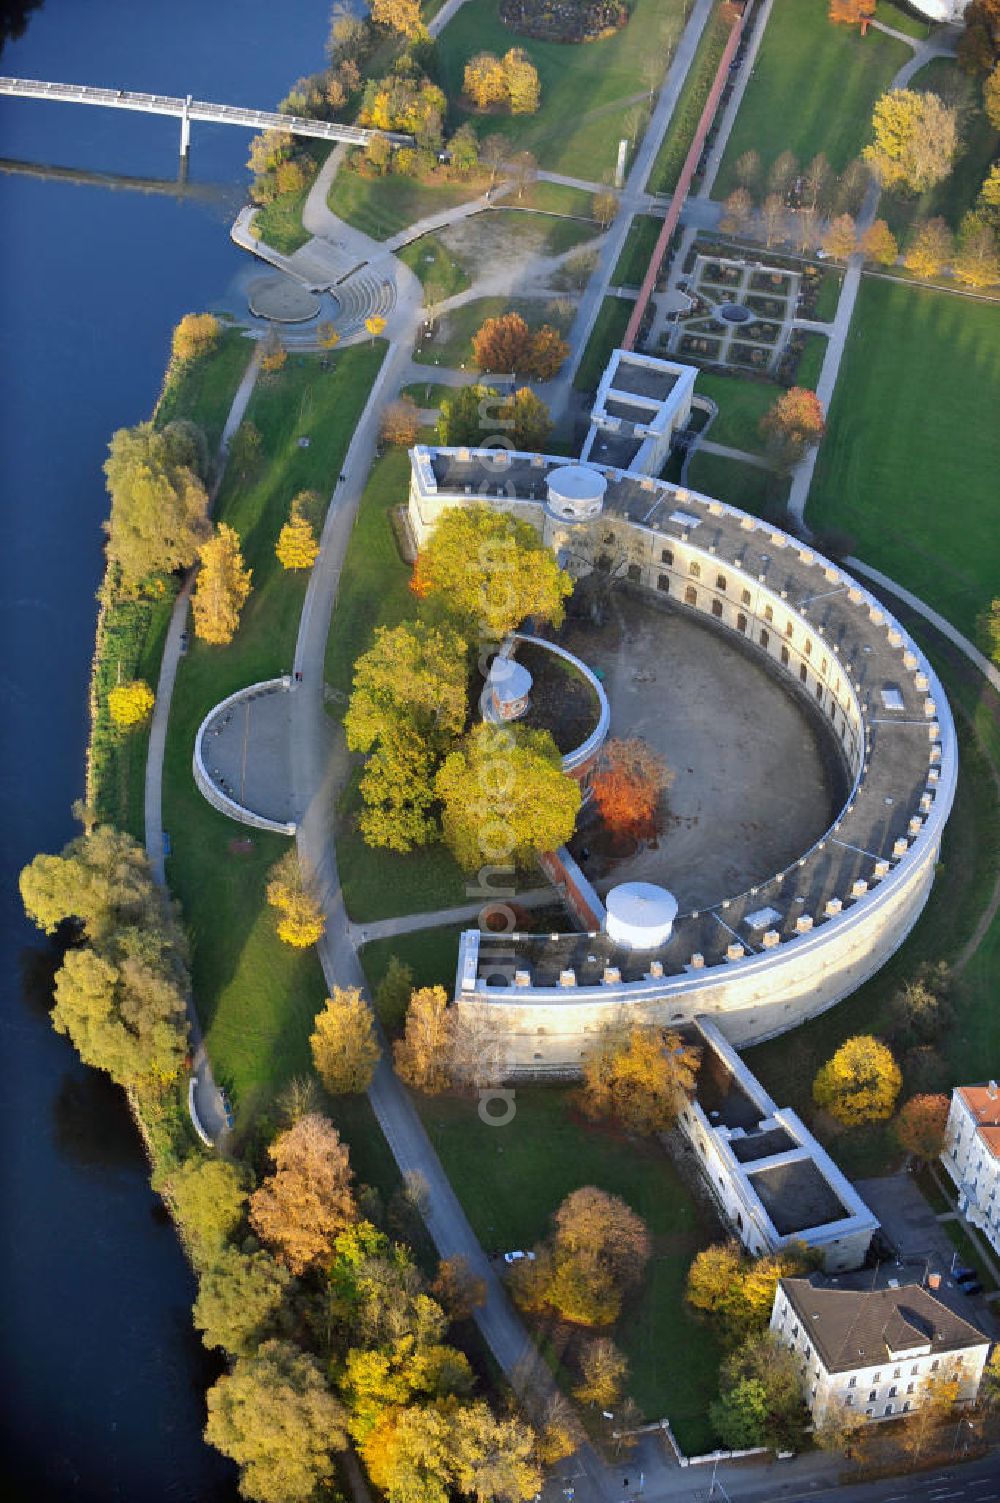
column 214, row 795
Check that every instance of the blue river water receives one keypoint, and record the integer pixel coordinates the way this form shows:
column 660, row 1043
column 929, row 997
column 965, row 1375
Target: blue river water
column 103, row 1375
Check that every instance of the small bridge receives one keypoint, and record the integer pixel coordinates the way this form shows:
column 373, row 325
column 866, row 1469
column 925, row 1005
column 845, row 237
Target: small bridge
column 188, row 109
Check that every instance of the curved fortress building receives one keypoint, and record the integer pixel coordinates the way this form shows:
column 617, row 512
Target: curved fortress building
column 760, row 961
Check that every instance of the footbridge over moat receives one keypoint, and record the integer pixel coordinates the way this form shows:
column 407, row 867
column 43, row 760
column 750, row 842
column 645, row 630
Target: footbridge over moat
column 187, row 109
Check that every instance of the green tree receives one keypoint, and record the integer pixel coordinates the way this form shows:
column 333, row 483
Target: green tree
column 526, row 417
column 276, row 1418
column 468, row 415
column 505, row 797
column 246, row 450
column 345, row 1050
column 760, row 1399
column 490, row 571
column 393, row 993
column 916, row 138
column 159, row 505
column 208, row 1197
column 415, row 676
column 464, row 151
column 990, row 628
column 859, row 1083
column 240, row 1300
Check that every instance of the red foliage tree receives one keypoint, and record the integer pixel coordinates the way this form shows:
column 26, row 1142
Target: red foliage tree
column 793, row 423
column 920, row 1126
column 627, row 785
column 503, row 344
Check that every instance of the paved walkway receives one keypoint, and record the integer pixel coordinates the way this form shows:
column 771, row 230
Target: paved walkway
column 207, row 1101
column 410, row 923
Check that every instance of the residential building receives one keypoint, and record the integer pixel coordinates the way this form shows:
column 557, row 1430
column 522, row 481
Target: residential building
column 972, row 1155
column 876, row 1342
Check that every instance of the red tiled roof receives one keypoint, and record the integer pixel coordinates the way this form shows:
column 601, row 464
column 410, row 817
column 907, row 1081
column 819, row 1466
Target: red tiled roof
column 985, row 1110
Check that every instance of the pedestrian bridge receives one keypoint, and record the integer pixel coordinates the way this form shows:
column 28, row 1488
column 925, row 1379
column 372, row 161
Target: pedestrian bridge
column 188, row 109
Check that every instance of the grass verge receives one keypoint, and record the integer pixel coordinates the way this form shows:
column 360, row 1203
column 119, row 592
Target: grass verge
column 693, row 96
column 741, row 404
column 606, row 335
column 637, row 251
column 382, row 206
column 440, row 273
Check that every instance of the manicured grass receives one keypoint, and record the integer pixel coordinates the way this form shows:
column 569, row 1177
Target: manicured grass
column 256, row 997
column 743, row 485
column 204, row 389
column 811, row 360
column 452, row 344
column 813, row 89
column 606, row 335
column 900, row 19
column 637, row 251
column 510, row 1179
column 828, row 297
column 693, row 97
column 587, row 90
column 742, row 404
column 910, row 468
column 279, row 223
column 381, row 884
column 552, row 198
column 440, row 272
column 431, row 955
column 382, row 206
column 979, row 146
column 428, row 393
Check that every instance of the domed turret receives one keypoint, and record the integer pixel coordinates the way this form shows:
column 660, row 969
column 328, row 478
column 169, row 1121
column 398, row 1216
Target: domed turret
column 576, row 492
column 640, row 915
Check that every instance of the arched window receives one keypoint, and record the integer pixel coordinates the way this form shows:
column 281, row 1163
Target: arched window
column 690, row 595
column 769, row 613
column 745, row 597
column 803, row 672
column 789, row 628
column 809, row 647
column 764, row 638
column 784, row 654
column 720, row 581
column 666, row 556
column 741, row 622
column 716, row 607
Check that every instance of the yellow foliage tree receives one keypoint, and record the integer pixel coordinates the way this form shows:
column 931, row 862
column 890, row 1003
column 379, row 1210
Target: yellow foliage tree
column 639, row 1076
column 423, row 1055
column 916, row 137
column 302, row 922
column 345, row 1050
column 130, row 704
column 327, row 335
column 272, row 351
column 297, row 547
column 930, row 249
column 523, row 89
column 195, row 335
column 397, row 15
column 860, row 1083
column 484, row 80
column 222, row 588
column 375, row 325
column 302, row 1206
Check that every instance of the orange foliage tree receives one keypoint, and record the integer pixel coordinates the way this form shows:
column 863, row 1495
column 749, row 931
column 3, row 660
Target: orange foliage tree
column 627, row 786
column 794, row 423
column 920, row 1126
column 851, row 12
column 507, row 344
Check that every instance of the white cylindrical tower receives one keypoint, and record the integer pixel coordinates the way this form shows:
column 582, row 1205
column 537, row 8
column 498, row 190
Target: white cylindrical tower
column 640, row 915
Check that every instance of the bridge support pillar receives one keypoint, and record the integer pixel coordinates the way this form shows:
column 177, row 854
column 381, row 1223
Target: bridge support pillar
column 185, row 130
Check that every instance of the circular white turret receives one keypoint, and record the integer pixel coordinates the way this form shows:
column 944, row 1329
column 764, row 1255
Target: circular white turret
column 576, row 492
column 508, row 689
column 640, row 915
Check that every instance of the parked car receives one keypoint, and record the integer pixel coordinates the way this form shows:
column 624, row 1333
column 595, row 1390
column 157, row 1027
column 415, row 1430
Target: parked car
column 972, row 1287
column 518, row 1256
column 962, row 1275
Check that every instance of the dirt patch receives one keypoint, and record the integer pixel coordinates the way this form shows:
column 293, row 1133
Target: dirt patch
column 507, row 238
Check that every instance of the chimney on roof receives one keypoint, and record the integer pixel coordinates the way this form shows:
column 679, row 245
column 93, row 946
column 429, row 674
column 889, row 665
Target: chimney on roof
column 934, row 1281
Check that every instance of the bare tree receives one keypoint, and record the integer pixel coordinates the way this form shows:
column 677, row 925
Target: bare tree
column 773, row 218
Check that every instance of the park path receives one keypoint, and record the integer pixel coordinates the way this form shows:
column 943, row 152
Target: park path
column 409, row 923
column 207, row 1100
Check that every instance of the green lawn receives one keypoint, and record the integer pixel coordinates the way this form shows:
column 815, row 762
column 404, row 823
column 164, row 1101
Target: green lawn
column 427, row 393
column 742, row 403
column 256, row 997
column 552, row 198
column 606, row 335
column 743, row 485
column 381, row 206
column 441, row 273
column 898, row 17
column 811, row 360
column 511, row 1179
column 910, row 462
column 813, row 89
column 587, row 90
column 431, row 954
column 637, row 251
column 452, row 344
column 980, row 144
column 829, row 296
column 204, row 389
column 693, row 96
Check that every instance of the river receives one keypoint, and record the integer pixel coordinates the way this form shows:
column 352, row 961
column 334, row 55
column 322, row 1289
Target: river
column 103, row 1375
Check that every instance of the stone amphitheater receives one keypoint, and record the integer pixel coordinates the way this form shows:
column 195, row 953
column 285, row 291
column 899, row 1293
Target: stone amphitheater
column 759, row 959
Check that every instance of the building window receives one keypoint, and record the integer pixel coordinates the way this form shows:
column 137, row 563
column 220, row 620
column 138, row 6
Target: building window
column 935, row 1365
column 795, row 1330
column 694, row 569
column 768, row 613
column 666, row 557
column 853, row 1383
column 893, row 1391
column 871, row 1397
column 876, row 1377
column 690, row 595
column 823, row 666
column 745, row 597
column 634, row 572
column 716, row 607
column 897, row 1372
column 789, row 628
column 906, row 1408
column 764, row 638
column 803, row 672
column 809, row 647
column 915, row 1368
column 741, row 622
column 819, row 689
column 663, row 583
column 720, row 581
column 910, row 1387
column 784, row 654
column 887, row 1410
column 849, row 1401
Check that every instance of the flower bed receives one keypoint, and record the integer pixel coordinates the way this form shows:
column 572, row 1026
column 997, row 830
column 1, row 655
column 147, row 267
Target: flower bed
column 565, row 20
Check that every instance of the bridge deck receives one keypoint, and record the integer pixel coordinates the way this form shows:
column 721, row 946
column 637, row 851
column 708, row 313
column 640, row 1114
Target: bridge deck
column 192, row 109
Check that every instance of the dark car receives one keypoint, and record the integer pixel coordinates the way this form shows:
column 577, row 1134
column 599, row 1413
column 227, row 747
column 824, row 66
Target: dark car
column 972, row 1287
column 963, row 1275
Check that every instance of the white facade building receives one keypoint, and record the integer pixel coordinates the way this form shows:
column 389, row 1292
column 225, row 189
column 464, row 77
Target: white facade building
column 972, row 1155
column 875, row 1351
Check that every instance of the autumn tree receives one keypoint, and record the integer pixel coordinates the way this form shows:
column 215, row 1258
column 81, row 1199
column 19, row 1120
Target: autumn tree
column 793, row 424
column 774, row 218
column 921, row 1010
column 297, row 547
column 930, row 248
column 463, row 149
column 638, row 1076
column 600, row 1249
column 208, row 1197
column 400, row 423
column 938, row 1397
column 760, row 1398
column 130, row 704
column 840, row 238
column 276, row 1418
column 422, row 1057
column 991, row 97
column 345, row 1050
column 920, row 1126
column 301, row 922
column 976, row 261
column 747, row 170
column 493, row 1457
column 782, row 173
column 273, row 354
column 457, row 1289
column 526, row 418
column 549, row 352
column 508, row 344
column 859, row 1083
column 240, row 1300
column 628, row 783
column 604, row 207
column 988, row 202
column 916, row 137
column 523, row 89
column 221, row 589
column 851, row 12
column 483, row 80
column 990, row 629
column 194, row 336
column 736, row 1291
column 979, row 44
column 326, row 335
column 307, row 1200
column 736, row 212
column 816, row 181
column 879, row 244
column 397, row 15
column 604, row 1372
column 505, row 796
column 491, row 571
column 159, row 505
